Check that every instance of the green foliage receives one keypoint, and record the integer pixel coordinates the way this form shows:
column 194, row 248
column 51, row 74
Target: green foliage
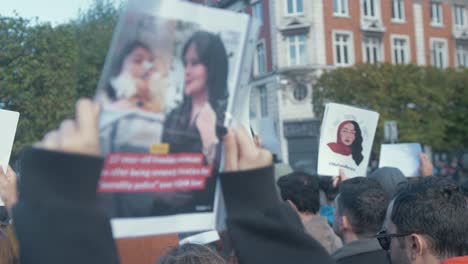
column 93, row 33
column 45, row 69
column 429, row 105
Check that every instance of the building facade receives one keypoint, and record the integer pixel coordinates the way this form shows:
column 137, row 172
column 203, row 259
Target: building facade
column 299, row 39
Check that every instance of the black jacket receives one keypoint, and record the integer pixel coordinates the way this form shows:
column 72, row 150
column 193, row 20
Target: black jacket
column 57, row 219
column 362, row 252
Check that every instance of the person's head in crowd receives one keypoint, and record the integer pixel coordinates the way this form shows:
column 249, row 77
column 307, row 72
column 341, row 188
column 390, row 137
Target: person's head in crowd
column 131, row 72
column 302, row 190
column 360, row 209
column 349, row 141
column 191, row 254
column 329, row 190
column 7, row 253
column 328, row 193
column 206, row 71
column 426, row 223
column 464, row 189
column 389, row 178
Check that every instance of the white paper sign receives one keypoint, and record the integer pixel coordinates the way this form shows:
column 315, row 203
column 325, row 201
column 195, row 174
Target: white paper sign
column 346, row 138
column 402, row 156
column 8, row 121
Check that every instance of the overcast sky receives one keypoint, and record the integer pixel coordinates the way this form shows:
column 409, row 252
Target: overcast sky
column 54, row 11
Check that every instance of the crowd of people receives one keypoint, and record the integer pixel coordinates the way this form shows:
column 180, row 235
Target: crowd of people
column 52, row 215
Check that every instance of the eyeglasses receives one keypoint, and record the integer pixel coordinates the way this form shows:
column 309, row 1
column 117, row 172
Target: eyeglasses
column 385, row 239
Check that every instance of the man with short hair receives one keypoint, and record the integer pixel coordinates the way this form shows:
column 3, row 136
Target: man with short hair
column 302, row 192
column 426, row 224
column 360, row 211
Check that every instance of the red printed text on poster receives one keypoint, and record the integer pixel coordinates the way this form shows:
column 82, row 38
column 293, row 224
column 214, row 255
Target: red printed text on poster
column 146, row 172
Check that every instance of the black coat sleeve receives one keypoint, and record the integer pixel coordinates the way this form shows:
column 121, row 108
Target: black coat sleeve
column 261, row 228
column 57, row 219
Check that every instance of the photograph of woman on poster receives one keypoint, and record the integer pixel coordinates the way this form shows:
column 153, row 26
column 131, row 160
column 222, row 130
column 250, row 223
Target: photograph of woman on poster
column 133, row 82
column 349, row 141
column 191, row 126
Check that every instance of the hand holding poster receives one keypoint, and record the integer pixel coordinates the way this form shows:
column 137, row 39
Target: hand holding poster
column 9, row 122
column 346, row 140
column 402, row 156
column 171, row 75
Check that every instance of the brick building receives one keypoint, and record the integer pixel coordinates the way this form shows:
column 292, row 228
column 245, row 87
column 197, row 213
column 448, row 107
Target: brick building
column 301, row 38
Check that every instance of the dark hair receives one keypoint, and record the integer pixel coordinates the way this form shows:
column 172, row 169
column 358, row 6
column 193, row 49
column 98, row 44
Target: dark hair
column 435, row 208
column 212, row 54
column 191, row 254
column 464, row 188
column 356, row 147
column 117, row 67
column 302, row 190
column 390, row 178
column 326, row 185
column 364, row 201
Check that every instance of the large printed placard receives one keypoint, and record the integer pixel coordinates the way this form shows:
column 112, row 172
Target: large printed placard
column 170, row 77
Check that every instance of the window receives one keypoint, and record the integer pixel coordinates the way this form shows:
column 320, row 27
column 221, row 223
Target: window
column 263, row 101
column 295, row 7
column 297, row 50
column 257, row 11
column 400, row 50
column 372, row 47
column 398, row 10
column 261, row 58
column 459, row 15
column 343, row 49
column 439, row 53
column 462, row 55
column 253, row 104
column 436, row 13
column 300, row 92
column 369, row 8
column 340, row 7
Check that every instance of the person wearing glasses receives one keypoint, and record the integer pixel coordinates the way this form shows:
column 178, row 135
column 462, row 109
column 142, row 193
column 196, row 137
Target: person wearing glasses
column 426, row 223
column 360, row 212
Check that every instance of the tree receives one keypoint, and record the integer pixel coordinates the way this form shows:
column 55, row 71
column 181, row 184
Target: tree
column 38, row 75
column 94, row 29
column 45, row 69
column 418, row 98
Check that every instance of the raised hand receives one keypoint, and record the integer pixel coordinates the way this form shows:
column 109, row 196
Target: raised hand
column 241, row 153
column 79, row 136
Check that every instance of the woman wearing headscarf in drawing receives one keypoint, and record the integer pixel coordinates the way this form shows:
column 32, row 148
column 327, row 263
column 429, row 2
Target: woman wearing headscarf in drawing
column 349, row 141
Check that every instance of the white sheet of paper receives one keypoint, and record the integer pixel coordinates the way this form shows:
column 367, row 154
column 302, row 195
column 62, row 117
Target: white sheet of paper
column 9, row 122
column 335, row 150
column 403, row 156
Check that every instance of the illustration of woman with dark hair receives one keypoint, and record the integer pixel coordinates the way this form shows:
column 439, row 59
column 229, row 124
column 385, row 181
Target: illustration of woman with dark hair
column 191, row 127
column 349, row 141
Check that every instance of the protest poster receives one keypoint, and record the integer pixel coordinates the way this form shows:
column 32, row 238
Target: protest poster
column 346, row 138
column 174, row 77
column 404, row 156
column 9, row 122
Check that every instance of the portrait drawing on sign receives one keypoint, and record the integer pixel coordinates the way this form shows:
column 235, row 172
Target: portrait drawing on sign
column 348, row 141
